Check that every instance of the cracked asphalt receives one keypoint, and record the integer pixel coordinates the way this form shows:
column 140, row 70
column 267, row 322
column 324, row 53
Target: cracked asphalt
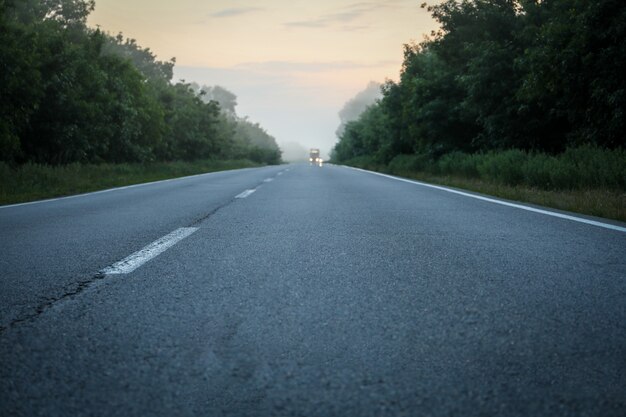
column 326, row 292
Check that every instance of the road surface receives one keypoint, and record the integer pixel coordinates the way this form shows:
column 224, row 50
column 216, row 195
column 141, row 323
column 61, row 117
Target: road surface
column 305, row 291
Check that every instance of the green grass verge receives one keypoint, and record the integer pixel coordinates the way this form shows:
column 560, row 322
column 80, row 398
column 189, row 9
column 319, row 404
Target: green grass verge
column 605, row 203
column 608, row 203
column 34, row 182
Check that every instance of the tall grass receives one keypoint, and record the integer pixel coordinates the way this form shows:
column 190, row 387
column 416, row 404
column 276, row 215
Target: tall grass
column 577, row 168
column 585, row 179
column 32, row 181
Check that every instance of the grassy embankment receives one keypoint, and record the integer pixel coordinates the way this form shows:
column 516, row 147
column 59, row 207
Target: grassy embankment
column 585, row 180
column 33, row 182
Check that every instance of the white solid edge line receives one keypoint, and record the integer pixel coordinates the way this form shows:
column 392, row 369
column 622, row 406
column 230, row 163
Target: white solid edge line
column 49, row 200
column 504, row 203
column 245, row 193
column 134, row 261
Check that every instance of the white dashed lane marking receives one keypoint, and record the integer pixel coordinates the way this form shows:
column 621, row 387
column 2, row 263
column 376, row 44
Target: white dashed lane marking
column 134, row 261
column 245, row 194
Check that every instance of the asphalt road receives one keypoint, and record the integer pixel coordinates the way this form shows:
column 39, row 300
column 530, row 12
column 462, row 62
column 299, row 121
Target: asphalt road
column 323, row 292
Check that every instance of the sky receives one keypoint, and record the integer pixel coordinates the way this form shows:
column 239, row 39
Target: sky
column 293, row 64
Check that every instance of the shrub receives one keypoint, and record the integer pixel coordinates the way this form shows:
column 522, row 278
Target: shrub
column 459, row 163
column 583, row 167
column 365, row 162
column 504, row 167
column 537, row 170
column 592, row 166
column 403, row 164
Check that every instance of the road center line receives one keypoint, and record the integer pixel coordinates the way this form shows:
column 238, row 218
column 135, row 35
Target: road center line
column 134, row 261
column 504, row 203
column 245, row 193
column 268, row 180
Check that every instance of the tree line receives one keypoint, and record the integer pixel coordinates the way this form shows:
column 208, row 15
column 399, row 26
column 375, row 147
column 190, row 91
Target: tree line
column 70, row 93
column 527, row 75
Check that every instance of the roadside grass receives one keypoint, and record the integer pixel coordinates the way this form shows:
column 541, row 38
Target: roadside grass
column 586, row 179
column 35, row 182
column 609, row 204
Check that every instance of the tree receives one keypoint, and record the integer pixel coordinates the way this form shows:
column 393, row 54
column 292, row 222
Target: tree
column 65, row 12
column 357, row 105
column 20, row 80
column 142, row 58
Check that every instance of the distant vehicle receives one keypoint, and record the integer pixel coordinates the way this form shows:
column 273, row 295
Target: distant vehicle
column 314, row 157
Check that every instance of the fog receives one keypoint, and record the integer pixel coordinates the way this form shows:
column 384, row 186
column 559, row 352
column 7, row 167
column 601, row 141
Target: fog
column 292, row 66
column 356, row 105
column 290, row 112
column 294, row 152
column 300, row 117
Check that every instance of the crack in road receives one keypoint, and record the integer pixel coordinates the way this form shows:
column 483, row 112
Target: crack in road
column 52, row 301
column 83, row 285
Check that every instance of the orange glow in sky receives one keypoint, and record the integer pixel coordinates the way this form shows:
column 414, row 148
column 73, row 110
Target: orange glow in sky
column 291, row 63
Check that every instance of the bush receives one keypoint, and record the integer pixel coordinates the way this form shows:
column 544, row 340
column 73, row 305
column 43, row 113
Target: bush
column 403, row 164
column 504, row 167
column 366, row 162
column 592, row 166
column 583, row 167
column 538, row 170
column 459, row 163
column 577, row 168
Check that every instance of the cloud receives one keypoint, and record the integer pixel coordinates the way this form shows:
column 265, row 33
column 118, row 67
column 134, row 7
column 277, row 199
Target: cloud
column 235, row 11
column 326, row 20
column 307, row 24
column 296, row 66
column 342, row 16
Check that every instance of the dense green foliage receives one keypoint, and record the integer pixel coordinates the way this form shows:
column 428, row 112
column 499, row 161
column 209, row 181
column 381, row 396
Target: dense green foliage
column 74, row 94
column 506, row 84
column 582, row 167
